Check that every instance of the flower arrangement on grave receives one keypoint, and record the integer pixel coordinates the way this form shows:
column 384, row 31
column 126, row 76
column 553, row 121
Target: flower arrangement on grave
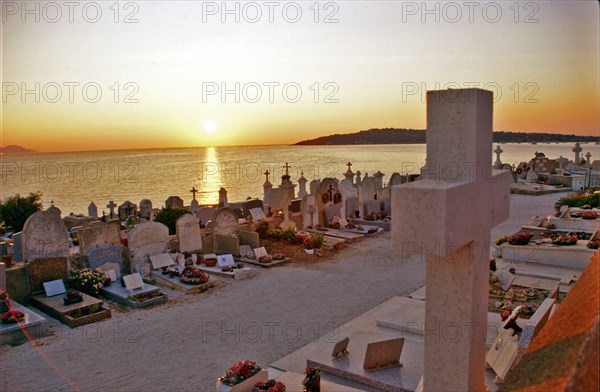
column 565, row 239
column 270, row 386
column 193, row 276
column 278, row 256
column 309, row 242
column 262, row 227
column 381, row 215
column 593, row 244
column 520, row 238
column 87, row 281
column 239, row 372
column 319, row 239
column 299, row 237
column 107, row 281
column 12, row 316
column 334, row 223
column 506, row 313
column 312, row 380
column 500, row 240
column 527, row 310
column 71, row 297
column 589, row 215
column 265, row 259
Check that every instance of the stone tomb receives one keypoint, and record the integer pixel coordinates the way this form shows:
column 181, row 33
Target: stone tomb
column 44, row 236
column 165, row 260
column 141, row 296
column 188, row 233
column 228, row 261
column 45, row 270
column 328, row 197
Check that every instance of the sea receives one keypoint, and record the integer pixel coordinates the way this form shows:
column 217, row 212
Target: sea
column 71, row 180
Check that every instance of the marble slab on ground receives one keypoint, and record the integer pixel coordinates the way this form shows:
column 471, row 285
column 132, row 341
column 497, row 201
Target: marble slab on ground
column 293, row 383
column 409, row 317
column 385, row 225
column 175, row 284
column 345, row 235
column 237, row 273
column 363, row 330
column 264, row 265
column 75, row 314
column 120, row 295
column 33, row 325
column 544, row 275
column 576, row 256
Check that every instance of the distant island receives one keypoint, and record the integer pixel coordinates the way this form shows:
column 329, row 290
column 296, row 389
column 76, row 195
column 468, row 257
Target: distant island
column 13, row 149
column 417, row 136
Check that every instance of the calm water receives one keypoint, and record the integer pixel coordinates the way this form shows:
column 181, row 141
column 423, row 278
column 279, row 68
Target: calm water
column 72, row 180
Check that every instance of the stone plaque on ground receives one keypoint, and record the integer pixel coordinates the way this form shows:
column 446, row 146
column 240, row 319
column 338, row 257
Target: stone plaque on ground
column 188, row 232
column 103, row 254
column 505, row 278
column 45, row 236
column 161, row 260
column 225, row 260
column 340, row 347
column 383, row 355
column 260, row 252
column 133, row 282
column 249, row 238
column 54, row 287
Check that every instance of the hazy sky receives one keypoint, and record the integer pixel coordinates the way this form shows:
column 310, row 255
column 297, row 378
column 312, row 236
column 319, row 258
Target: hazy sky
column 159, row 80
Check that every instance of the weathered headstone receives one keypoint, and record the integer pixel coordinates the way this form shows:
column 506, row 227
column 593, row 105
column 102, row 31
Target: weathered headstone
column 447, row 217
column 44, row 236
column 325, row 196
column 249, row 238
column 105, row 254
column 145, row 208
column 17, row 247
column 174, row 202
column 188, row 232
column 147, row 239
column 206, row 214
column 93, row 210
column 309, row 210
column 91, row 237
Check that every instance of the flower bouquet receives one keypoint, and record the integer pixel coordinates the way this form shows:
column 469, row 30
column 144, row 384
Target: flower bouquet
column 240, row 372
column 270, row 386
column 265, row 259
column 12, row 316
column 520, row 238
column 72, row 297
column 565, row 240
column 278, row 256
column 250, row 255
column 193, row 276
column 87, row 281
column 593, row 244
column 589, row 215
column 500, row 240
column 528, row 310
column 312, row 380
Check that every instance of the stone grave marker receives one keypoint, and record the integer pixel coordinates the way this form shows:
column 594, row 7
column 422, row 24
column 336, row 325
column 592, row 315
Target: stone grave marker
column 452, row 210
column 127, row 209
column 248, row 238
column 44, row 236
column 161, row 260
column 54, row 287
column 91, row 237
column 103, row 254
column 17, row 247
column 225, row 260
column 252, row 204
column 93, row 210
column 505, row 279
column 309, row 210
column 340, row 347
column 133, row 282
column 145, row 208
column 226, row 244
column 260, row 252
column 188, row 233
column 44, row 270
column 245, row 250
column 147, row 239
column 225, row 222
column 174, row 202
column 383, row 355
column 313, row 186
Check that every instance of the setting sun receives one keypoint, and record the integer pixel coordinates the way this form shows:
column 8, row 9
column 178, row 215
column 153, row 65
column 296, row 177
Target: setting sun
column 210, row 126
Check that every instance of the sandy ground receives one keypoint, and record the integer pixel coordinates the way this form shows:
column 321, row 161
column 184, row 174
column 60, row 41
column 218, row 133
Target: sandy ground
column 187, row 343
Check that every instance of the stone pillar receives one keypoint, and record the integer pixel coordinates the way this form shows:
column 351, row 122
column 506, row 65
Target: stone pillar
column 302, row 186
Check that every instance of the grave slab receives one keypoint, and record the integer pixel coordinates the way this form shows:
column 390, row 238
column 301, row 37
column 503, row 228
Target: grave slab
column 33, row 325
column 576, row 256
column 238, row 273
column 365, row 230
column 122, row 296
column 264, row 265
column 293, row 383
column 385, row 225
column 72, row 315
column 345, row 235
column 176, row 284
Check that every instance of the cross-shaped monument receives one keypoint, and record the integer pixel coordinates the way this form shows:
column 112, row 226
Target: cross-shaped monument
column 287, row 169
column 577, row 149
column 498, row 151
column 349, row 165
column 111, row 205
column 194, row 191
column 266, row 173
column 588, row 159
column 446, row 218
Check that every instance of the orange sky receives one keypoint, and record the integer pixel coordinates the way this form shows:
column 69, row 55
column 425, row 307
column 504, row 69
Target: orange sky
column 159, row 81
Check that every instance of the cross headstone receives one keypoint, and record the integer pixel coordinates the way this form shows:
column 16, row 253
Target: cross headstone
column 588, row 160
column 111, row 206
column 447, row 217
column 498, row 151
column 194, row 191
column 287, row 169
column 93, row 210
column 266, row 173
column 577, row 149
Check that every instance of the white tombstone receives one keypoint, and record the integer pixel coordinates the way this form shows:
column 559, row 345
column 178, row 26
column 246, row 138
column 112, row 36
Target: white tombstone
column 147, row 239
column 302, row 186
column 188, row 233
column 308, row 206
column 531, row 176
column 145, row 208
column 447, row 217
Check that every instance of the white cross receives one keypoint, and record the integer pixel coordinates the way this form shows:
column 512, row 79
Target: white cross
column 446, row 217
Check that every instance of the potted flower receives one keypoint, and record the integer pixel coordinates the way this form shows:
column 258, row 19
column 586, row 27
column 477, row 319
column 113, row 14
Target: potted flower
column 312, row 380
column 318, row 239
column 520, row 238
column 87, row 281
column 242, row 376
column 309, row 244
column 270, row 386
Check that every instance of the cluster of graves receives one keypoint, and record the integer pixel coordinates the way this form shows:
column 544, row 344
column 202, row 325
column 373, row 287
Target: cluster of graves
column 542, row 175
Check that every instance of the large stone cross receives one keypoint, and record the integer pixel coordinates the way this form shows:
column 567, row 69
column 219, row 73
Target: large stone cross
column 266, row 173
column 194, row 191
column 287, row 169
column 446, row 217
column 577, row 149
column 498, row 151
